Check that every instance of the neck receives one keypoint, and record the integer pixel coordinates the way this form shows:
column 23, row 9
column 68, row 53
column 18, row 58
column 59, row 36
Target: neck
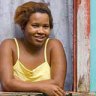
column 31, row 47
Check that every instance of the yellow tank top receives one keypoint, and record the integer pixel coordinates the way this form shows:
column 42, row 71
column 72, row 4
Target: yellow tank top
column 42, row 72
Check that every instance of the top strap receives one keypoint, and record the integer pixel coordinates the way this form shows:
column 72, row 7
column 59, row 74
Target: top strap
column 45, row 52
column 17, row 45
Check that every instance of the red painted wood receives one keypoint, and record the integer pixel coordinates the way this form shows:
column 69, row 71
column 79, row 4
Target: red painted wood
column 83, row 46
column 75, row 45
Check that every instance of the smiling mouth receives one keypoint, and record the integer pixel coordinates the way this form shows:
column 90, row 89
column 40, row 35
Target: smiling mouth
column 39, row 38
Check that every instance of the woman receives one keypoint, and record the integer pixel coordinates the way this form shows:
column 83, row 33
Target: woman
column 33, row 63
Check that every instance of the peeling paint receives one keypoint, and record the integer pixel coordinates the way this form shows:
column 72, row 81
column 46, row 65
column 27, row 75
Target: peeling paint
column 83, row 46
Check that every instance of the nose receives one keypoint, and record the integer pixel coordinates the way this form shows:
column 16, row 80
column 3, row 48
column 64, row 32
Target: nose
column 40, row 30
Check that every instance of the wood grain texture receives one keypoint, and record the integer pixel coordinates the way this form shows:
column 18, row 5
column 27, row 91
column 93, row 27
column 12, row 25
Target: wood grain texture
column 83, row 46
column 40, row 94
column 75, row 46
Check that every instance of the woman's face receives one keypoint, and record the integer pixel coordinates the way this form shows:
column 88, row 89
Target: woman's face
column 37, row 29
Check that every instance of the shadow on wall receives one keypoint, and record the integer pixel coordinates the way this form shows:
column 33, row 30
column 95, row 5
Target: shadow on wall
column 0, row 87
column 18, row 31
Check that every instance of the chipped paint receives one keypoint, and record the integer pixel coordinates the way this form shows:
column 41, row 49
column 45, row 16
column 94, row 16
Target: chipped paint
column 83, row 46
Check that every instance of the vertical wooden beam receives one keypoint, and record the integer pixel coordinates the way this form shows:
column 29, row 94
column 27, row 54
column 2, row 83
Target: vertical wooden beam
column 83, row 46
column 75, row 45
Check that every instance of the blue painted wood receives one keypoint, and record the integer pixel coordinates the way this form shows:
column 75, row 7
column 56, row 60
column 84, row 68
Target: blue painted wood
column 93, row 46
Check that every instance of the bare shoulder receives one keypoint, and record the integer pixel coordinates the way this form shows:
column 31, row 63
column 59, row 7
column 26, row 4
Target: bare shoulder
column 6, row 44
column 56, row 49
column 55, row 43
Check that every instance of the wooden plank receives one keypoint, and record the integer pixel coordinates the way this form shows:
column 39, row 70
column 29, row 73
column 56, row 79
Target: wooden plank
column 20, row 94
column 75, row 45
column 40, row 94
column 83, row 45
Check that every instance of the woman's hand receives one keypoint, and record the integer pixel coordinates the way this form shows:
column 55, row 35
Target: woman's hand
column 52, row 90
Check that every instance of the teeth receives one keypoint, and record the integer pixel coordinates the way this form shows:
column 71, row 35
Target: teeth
column 39, row 37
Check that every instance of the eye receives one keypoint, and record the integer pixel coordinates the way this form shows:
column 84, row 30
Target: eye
column 35, row 25
column 46, row 26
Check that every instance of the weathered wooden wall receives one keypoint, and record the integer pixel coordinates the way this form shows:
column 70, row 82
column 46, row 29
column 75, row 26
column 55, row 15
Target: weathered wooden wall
column 83, row 45
column 62, row 11
column 75, row 45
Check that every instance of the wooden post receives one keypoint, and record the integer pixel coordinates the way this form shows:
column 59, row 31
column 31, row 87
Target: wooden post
column 83, row 46
column 75, row 45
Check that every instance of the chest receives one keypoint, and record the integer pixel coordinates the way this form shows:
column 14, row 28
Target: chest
column 29, row 60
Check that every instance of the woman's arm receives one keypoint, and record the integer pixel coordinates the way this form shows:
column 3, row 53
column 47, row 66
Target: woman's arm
column 9, row 83
column 58, row 63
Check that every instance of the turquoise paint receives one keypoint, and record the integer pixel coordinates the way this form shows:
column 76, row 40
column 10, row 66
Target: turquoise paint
column 93, row 46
